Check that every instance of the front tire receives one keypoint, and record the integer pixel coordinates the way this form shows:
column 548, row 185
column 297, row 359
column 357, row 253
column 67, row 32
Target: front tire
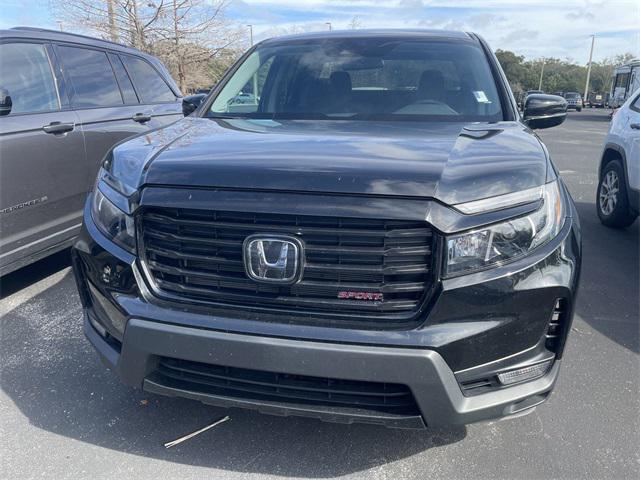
column 612, row 201
column 578, row 109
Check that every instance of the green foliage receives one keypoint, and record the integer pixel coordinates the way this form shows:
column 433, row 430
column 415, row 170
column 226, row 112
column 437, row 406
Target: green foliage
column 559, row 75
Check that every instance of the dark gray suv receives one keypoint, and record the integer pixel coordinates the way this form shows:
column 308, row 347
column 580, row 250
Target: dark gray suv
column 65, row 101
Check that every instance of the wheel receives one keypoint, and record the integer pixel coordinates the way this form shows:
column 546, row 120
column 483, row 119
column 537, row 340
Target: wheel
column 612, row 202
column 579, row 109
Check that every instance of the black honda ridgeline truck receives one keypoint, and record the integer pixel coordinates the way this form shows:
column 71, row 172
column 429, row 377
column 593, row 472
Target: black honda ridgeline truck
column 358, row 227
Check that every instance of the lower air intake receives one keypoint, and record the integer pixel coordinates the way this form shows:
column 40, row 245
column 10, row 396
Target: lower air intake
column 281, row 388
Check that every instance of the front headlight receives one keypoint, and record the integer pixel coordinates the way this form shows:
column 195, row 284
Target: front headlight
column 113, row 222
column 496, row 244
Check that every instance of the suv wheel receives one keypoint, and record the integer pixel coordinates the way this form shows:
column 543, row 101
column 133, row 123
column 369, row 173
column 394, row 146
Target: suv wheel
column 612, row 202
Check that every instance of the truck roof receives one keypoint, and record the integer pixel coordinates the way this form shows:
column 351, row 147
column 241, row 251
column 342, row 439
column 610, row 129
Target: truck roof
column 627, row 66
column 384, row 32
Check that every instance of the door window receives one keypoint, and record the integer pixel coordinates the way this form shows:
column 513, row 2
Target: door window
column 149, row 84
column 622, row 80
column 636, row 104
column 25, row 75
column 93, row 80
column 128, row 93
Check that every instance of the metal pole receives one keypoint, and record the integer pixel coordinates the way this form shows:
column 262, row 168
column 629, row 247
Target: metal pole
column 541, row 74
column 113, row 32
column 250, row 34
column 255, row 75
column 586, row 87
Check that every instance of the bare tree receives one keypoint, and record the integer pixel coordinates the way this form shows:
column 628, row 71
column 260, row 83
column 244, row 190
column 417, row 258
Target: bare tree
column 355, row 23
column 193, row 33
column 192, row 37
column 131, row 21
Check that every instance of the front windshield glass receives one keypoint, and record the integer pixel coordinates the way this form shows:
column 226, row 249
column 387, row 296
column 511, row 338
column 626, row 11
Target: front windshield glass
column 363, row 78
column 572, row 95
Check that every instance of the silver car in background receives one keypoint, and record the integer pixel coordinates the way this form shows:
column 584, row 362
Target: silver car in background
column 574, row 101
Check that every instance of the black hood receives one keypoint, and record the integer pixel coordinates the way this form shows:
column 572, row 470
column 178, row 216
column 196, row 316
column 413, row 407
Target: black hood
column 452, row 162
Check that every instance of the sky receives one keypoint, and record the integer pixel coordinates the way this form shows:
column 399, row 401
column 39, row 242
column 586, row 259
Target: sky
column 533, row 28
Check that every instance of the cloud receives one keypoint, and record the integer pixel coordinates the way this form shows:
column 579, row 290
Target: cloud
column 519, row 36
column 578, row 15
column 534, row 28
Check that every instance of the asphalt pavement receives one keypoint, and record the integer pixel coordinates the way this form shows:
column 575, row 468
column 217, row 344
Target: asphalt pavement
column 63, row 415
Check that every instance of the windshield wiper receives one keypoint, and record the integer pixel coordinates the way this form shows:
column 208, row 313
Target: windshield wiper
column 224, row 117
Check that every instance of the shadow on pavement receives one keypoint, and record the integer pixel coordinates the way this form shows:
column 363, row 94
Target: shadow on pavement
column 52, row 375
column 25, row 276
column 608, row 298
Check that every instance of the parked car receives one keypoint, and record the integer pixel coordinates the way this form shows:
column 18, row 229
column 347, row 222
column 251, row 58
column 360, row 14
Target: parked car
column 66, row 100
column 597, row 100
column 349, row 249
column 574, row 101
column 618, row 199
column 243, row 98
column 526, row 94
column 626, row 80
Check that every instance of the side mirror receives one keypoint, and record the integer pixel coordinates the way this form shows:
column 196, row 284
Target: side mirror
column 191, row 102
column 544, row 111
column 5, row 102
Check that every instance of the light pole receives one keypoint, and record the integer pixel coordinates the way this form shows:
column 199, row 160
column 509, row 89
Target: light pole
column 113, row 32
column 255, row 75
column 329, row 24
column 250, row 34
column 541, row 74
column 586, row 87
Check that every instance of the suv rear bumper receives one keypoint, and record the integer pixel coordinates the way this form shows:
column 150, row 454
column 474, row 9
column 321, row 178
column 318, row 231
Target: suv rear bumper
column 432, row 382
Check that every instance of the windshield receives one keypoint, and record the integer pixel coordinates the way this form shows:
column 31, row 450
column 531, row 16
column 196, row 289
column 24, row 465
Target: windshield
column 572, row 95
column 370, row 79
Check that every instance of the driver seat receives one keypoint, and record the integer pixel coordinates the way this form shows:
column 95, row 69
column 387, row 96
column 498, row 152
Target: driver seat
column 431, row 86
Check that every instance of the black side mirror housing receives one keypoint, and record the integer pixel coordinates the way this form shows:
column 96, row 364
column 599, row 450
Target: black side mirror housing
column 544, row 111
column 191, row 102
column 5, row 102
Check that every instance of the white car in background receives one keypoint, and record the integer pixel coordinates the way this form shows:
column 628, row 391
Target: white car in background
column 626, row 79
column 618, row 197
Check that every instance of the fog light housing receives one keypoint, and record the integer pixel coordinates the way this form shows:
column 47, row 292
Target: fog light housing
column 524, row 374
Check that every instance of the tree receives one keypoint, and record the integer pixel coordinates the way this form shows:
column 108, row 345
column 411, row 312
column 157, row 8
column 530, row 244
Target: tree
column 559, row 75
column 192, row 34
column 355, row 23
column 513, row 67
column 128, row 21
column 193, row 38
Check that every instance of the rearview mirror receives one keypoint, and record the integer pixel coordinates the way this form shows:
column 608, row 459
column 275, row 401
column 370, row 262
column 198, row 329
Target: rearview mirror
column 5, row 102
column 191, row 102
column 544, row 111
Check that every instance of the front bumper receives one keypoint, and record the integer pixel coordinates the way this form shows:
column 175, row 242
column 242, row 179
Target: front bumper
column 433, row 384
column 477, row 326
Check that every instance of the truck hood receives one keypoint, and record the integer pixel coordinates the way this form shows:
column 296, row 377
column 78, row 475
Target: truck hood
column 452, row 162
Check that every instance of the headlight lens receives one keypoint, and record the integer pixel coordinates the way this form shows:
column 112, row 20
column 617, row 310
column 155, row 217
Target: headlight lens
column 113, row 222
column 479, row 249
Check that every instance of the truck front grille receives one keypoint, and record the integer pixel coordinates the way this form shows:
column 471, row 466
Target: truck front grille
column 197, row 256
